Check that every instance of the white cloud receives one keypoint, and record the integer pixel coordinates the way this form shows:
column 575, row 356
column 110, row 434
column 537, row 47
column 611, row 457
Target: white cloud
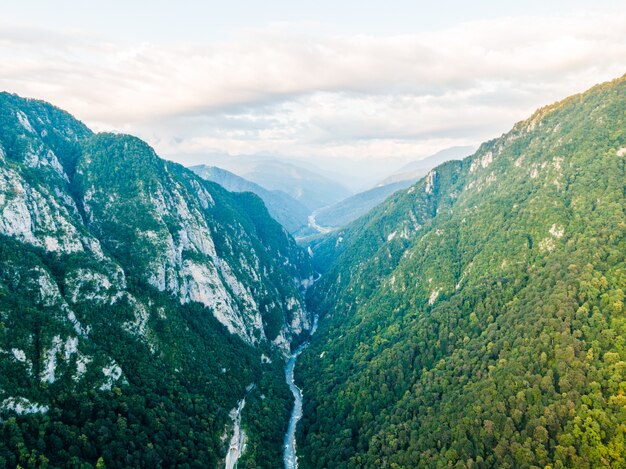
column 283, row 92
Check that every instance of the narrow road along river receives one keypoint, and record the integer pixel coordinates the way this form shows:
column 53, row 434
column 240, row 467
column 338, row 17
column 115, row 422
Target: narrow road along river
column 238, row 440
column 237, row 443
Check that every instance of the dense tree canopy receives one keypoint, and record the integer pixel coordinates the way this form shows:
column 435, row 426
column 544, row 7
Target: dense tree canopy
column 100, row 365
column 477, row 319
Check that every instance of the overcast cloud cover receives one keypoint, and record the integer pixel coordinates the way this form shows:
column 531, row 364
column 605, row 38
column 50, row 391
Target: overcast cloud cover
column 302, row 89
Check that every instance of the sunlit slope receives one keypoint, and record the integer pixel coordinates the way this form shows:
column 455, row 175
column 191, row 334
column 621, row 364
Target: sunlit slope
column 477, row 318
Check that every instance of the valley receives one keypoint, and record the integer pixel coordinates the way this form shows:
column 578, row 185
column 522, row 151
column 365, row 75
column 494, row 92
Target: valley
column 313, row 224
column 153, row 315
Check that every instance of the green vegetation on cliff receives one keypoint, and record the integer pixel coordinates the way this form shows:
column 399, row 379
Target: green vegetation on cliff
column 477, row 319
column 138, row 302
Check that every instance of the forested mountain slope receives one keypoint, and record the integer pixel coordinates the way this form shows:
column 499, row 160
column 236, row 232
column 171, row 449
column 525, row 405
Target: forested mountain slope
column 136, row 303
column 477, row 319
column 284, row 209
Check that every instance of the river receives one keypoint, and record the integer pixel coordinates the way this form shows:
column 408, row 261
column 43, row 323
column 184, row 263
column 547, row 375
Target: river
column 289, row 456
column 313, row 224
column 238, row 440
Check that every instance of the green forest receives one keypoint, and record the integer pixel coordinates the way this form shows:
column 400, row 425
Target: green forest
column 99, row 366
column 477, row 319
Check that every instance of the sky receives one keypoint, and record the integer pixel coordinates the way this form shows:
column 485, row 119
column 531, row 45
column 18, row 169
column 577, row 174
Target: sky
column 383, row 82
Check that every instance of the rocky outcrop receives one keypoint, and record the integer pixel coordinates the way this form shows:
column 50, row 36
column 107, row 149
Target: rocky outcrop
column 106, row 210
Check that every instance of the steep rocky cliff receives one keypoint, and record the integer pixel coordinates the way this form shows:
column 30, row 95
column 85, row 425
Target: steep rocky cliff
column 119, row 269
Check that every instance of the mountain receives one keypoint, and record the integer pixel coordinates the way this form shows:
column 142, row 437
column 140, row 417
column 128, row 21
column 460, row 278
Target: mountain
column 308, row 187
column 477, row 318
column 282, row 207
column 416, row 170
column 348, row 210
column 351, row 208
column 138, row 303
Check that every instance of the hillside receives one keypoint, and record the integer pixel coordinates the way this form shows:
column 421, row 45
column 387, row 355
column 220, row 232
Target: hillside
column 357, row 205
column 348, row 210
column 477, row 318
column 138, row 303
column 282, row 207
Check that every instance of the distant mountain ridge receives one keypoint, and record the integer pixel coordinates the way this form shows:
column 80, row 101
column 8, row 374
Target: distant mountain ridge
column 308, row 187
column 415, row 170
column 351, row 208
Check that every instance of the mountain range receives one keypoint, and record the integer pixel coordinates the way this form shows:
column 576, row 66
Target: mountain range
column 475, row 318
column 293, row 214
column 307, row 186
column 353, row 207
column 290, row 213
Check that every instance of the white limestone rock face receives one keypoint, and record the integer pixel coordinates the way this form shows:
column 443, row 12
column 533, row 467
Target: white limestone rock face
column 182, row 258
column 209, row 281
column 557, row 231
column 49, row 295
column 23, row 406
column 108, row 287
column 112, row 374
column 61, row 350
column 19, row 355
column 202, row 283
column 300, row 321
column 433, row 296
column 482, row 162
column 88, row 285
column 282, row 342
column 139, row 325
column 23, row 120
column 35, row 216
column 82, row 362
column 430, row 181
column 48, row 374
